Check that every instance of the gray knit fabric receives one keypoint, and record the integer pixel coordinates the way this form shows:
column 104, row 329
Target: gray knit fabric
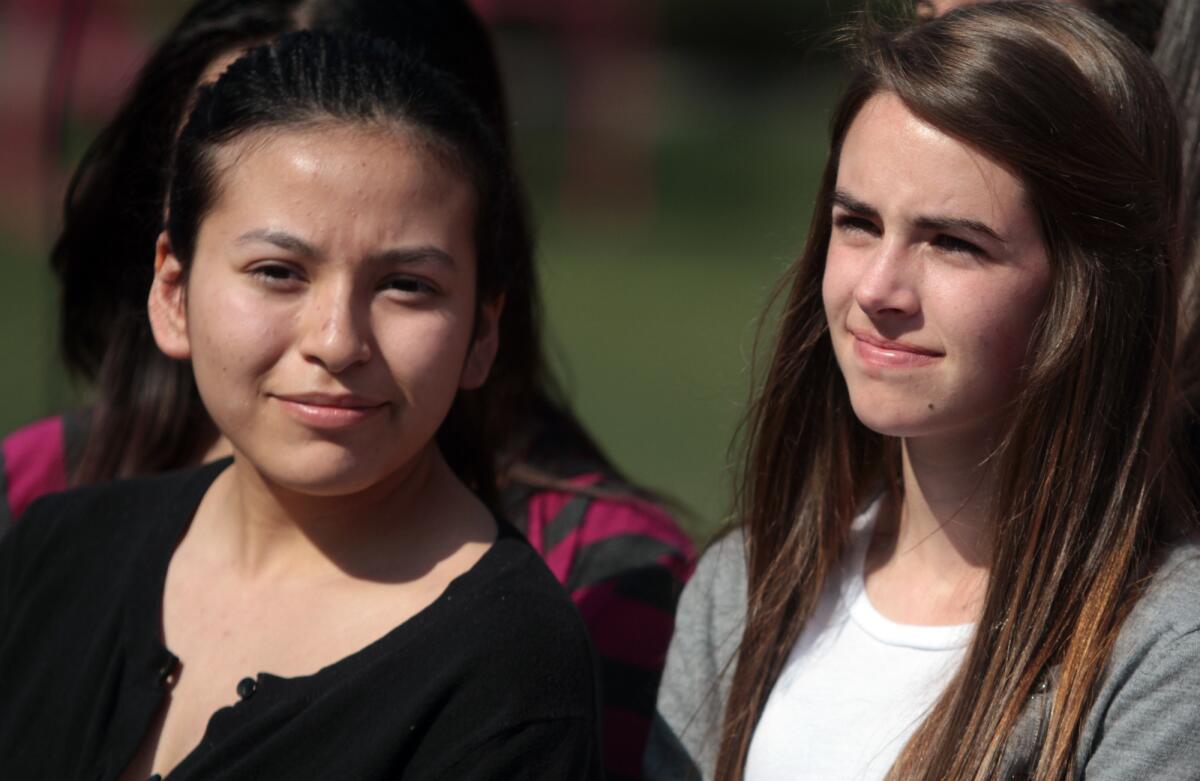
column 1144, row 725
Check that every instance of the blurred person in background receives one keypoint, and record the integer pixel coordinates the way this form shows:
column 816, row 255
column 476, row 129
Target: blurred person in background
column 618, row 552
column 964, row 548
column 607, row 62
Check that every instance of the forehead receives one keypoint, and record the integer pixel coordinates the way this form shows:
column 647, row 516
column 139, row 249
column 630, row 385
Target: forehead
column 894, row 160
column 338, row 181
column 370, row 157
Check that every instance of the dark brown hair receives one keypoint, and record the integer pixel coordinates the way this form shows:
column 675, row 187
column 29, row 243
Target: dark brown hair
column 1083, row 119
column 1178, row 57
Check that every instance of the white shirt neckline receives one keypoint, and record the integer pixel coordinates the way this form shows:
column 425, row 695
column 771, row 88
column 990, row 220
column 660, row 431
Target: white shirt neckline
column 874, row 623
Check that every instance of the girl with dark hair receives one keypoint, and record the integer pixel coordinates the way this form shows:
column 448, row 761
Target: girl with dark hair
column 963, row 549
column 333, row 601
column 617, row 553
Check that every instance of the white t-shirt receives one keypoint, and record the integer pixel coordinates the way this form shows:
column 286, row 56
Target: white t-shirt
column 855, row 687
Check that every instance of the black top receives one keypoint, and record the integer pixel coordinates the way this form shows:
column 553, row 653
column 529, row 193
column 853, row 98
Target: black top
column 494, row 680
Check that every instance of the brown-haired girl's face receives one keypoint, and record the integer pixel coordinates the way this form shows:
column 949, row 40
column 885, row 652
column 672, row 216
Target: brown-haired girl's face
column 935, row 275
column 330, row 310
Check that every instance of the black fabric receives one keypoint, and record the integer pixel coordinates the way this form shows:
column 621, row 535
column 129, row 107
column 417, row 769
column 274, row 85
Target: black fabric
column 494, row 680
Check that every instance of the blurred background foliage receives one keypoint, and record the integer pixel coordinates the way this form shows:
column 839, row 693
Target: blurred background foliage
column 671, row 150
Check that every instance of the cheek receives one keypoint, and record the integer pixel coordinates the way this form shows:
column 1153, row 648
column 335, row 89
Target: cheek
column 837, row 285
column 233, row 331
column 995, row 331
column 425, row 352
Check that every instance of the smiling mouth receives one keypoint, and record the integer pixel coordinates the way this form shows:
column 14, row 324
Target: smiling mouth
column 330, row 411
column 886, row 353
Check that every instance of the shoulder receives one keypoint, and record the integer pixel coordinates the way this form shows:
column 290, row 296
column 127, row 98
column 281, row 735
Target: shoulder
column 118, row 501
column 716, row 595
column 96, row 525
column 529, row 628
column 1144, row 722
column 34, row 463
column 513, row 681
column 1170, row 605
column 511, row 571
column 1166, row 618
column 710, row 619
column 700, row 664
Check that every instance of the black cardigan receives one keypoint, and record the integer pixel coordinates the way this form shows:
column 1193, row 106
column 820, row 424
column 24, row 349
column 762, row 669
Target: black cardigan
column 494, row 680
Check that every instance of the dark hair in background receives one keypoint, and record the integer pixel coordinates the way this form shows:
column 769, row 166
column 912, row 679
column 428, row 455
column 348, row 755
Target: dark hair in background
column 1084, row 120
column 308, row 80
column 1139, row 20
column 1178, row 57
column 147, row 416
column 1170, row 30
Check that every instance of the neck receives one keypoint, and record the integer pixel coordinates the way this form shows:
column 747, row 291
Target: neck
column 947, row 493
column 266, row 530
column 929, row 556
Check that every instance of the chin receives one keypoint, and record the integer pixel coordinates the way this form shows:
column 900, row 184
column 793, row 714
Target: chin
column 896, row 420
column 326, row 472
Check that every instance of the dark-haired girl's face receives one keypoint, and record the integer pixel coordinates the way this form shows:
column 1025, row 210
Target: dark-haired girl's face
column 935, row 276
column 330, row 310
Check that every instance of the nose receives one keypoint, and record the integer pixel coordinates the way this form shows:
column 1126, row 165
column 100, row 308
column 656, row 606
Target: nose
column 888, row 283
column 336, row 332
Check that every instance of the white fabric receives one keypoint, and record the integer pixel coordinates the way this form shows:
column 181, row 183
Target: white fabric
column 855, row 687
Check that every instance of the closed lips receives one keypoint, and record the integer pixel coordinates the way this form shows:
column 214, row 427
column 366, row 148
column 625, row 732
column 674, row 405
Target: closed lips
column 887, row 344
column 326, row 400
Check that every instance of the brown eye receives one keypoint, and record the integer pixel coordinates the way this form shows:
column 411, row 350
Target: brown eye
column 276, row 274
column 955, row 244
column 848, row 223
column 413, row 286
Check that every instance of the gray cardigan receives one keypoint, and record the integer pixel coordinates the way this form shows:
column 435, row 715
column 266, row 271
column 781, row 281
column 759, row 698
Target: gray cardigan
column 1144, row 725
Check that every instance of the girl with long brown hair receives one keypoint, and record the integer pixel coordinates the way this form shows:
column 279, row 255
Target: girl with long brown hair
column 961, row 550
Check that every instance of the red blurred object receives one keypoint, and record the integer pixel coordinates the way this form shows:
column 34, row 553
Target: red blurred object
column 612, row 96
column 61, row 61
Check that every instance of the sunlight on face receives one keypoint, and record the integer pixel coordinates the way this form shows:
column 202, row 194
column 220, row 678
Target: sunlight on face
column 935, row 276
column 330, row 307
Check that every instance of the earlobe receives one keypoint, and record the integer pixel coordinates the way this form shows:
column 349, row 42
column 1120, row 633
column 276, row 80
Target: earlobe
column 485, row 345
column 167, row 304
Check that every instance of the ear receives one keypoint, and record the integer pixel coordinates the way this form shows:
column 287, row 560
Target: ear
column 167, row 305
column 484, row 347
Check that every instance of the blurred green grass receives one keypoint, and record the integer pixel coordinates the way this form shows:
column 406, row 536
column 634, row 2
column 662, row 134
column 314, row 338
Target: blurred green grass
column 655, row 325
column 32, row 383
column 651, row 321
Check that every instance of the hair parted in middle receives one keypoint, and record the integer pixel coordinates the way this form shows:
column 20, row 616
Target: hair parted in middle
column 309, row 81
column 1086, row 487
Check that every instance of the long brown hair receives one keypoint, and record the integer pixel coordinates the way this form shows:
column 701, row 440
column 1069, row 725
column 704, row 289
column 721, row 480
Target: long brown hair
column 1083, row 119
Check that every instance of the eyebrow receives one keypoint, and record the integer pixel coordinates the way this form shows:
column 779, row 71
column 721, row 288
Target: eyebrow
column 291, row 243
column 281, row 239
column 850, row 203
